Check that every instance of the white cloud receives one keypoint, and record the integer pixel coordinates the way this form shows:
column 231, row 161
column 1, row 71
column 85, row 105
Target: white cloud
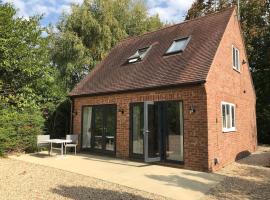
column 28, row 8
column 21, row 6
column 169, row 10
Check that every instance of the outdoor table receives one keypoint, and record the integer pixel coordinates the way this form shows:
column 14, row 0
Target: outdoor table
column 58, row 141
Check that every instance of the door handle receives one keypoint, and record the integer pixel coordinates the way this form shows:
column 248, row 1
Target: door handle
column 146, row 132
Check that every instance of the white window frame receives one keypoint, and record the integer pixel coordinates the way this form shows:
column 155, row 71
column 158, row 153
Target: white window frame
column 138, row 56
column 231, row 128
column 184, row 39
column 236, row 64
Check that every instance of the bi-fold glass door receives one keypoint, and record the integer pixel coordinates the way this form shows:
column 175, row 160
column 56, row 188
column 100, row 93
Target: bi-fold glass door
column 157, row 131
column 99, row 128
column 145, row 140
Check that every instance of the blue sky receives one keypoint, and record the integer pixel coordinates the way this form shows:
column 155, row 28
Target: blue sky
column 168, row 10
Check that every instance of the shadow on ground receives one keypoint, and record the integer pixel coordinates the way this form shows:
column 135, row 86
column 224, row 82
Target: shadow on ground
column 248, row 178
column 192, row 181
column 83, row 193
column 114, row 161
column 257, row 159
column 41, row 155
column 236, row 188
column 242, row 154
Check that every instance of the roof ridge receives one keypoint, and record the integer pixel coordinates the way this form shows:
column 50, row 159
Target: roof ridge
column 177, row 24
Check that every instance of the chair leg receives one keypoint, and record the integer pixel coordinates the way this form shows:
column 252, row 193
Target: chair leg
column 65, row 150
column 75, row 150
column 51, row 149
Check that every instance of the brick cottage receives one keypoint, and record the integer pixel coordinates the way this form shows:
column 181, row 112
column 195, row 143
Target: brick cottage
column 182, row 95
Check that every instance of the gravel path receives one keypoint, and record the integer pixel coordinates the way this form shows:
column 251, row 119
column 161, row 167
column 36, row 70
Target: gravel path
column 248, row 178
column 21, row 180
column 245, row 179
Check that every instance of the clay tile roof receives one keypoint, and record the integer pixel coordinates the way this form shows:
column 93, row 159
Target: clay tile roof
column 156, row 69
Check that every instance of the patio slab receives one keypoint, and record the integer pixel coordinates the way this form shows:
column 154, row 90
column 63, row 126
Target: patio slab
column 166, row 181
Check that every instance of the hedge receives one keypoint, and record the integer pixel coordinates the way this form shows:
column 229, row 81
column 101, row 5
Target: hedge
column 18, row 129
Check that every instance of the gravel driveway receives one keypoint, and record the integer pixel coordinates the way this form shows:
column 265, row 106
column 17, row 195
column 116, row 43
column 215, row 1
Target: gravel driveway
column 245, row 179
column 248, row 178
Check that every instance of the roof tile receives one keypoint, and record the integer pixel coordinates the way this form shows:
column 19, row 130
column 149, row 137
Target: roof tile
column 114, row 74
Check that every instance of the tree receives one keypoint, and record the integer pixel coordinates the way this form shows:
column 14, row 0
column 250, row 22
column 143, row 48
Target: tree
column 86, row 35
column 25, row 70
column 27, row 80
column 255, row 22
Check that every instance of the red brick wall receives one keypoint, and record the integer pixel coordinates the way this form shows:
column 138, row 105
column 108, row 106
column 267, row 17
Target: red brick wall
column 226, row 84
column 195, row 125
column 203, row 136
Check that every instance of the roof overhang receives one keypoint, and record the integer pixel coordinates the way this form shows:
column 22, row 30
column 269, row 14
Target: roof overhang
column 187, row 84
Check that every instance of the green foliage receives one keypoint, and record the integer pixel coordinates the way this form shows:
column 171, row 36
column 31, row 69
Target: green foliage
column 37, row 71
column 18, row 129
column 28, row 81
column 255, row 22
column 58, row 121
column 86, row 35
column 71, row 57
column 203, row 7
column 21, row 48
column 25, row 68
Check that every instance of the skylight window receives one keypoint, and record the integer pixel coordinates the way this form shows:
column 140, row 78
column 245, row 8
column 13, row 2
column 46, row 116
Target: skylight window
column 178, row 45
column 139, row 55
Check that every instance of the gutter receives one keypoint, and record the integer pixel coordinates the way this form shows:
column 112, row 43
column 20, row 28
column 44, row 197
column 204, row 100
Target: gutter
column 201, row 82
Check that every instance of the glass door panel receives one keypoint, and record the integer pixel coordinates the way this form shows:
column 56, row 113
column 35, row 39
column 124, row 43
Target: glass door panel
column 151, row 136
column 174, row 136
column 137, row 129
column 109, row 127
column 98, row 127
column 87, row 132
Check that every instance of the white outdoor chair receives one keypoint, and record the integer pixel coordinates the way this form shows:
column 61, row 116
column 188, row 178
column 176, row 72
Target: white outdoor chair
column 74, row 143
column 41, row 142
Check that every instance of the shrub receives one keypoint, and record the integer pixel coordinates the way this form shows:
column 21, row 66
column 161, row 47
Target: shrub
column 58, row 120
column 19, row 128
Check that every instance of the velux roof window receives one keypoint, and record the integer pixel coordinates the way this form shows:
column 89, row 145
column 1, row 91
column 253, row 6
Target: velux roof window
column 139, row 55
column 178, row 45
